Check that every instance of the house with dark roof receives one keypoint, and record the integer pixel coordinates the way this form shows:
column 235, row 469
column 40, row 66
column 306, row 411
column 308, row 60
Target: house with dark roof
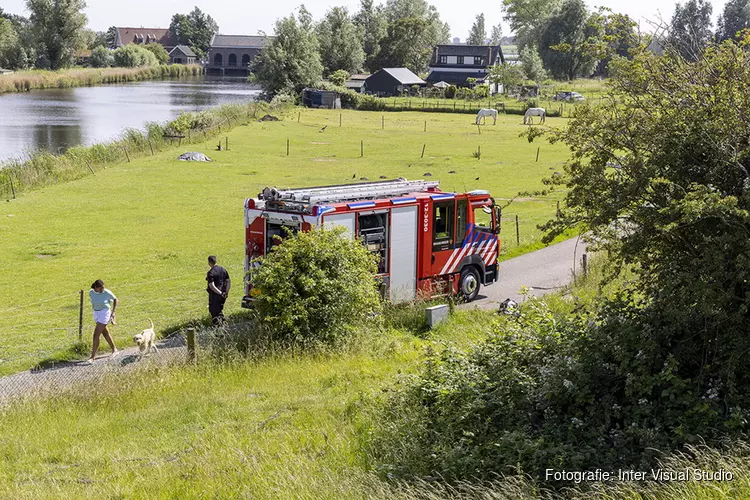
column 232, row 54
column 143, row 36
column 391, row 81
column 453, row 64
column 182, row 54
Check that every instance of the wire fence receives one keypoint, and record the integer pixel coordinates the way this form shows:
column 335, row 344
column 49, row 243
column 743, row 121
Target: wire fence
column 554, row 108
column 47, row 331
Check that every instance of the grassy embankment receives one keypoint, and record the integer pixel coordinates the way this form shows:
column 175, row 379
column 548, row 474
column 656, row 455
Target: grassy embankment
column 23, row 81
column 282, row 426
column 146, row 227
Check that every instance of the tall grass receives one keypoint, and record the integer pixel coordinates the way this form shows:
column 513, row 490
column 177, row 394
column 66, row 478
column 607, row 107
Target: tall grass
column 44, row 168
column 24, row 81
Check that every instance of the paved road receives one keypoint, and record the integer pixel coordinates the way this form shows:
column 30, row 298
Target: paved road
column 544, row 271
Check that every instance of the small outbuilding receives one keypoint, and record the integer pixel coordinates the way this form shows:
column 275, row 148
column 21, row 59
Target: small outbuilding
column 392, row 81
column 356, row 82
column 316, row 98
column 182, row 54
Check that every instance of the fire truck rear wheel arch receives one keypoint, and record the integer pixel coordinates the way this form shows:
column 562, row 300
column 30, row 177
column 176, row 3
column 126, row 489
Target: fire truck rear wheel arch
column 474, row 261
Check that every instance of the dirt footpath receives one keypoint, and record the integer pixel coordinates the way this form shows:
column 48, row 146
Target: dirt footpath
column 69, row 374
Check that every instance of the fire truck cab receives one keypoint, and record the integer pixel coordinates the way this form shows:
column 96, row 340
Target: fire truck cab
column 428, row 242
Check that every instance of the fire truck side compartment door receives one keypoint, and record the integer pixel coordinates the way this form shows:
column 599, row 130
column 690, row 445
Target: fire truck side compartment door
column 345, row 220
column 403, row 285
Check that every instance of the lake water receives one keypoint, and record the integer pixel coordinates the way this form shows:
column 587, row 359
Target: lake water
column 57, row 119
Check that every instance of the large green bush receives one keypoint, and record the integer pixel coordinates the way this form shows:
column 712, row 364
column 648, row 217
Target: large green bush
column 161, row 54
column 660, row 176
column 316, row 287
column 101, row 57
column 544, row 392
column 132, row 56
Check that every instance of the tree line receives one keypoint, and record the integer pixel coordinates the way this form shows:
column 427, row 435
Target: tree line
column 55, row 32
column 562, row 39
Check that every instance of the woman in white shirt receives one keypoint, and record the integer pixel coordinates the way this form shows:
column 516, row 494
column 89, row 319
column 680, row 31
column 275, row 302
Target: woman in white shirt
column 104, row 303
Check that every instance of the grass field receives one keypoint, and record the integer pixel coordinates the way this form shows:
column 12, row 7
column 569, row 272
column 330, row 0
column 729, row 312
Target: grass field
column 146, row 227
column 282, row 426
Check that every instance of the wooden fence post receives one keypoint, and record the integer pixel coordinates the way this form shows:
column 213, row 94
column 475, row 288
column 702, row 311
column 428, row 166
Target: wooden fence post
column 191, row 345
column 479, row 152
column 80, row 317
column 361, row 148
column 89, row 165
column 151, row 146
column 518, row 233
column 298, row 116
column 126, row 153
column 287, row 147
column 382, row 122
column 585, row 264
column 425, row 125
column 12, row 187
column 537, row 154
column 423, row 146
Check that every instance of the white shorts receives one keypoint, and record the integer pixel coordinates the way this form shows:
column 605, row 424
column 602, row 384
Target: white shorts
column 103, row 316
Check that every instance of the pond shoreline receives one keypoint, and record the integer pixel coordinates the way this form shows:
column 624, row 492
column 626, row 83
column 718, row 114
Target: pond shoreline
column 56, row 119
column 25, row 81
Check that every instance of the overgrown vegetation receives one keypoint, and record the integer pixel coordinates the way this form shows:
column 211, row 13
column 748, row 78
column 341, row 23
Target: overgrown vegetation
column 315, row 288
column 659, row 176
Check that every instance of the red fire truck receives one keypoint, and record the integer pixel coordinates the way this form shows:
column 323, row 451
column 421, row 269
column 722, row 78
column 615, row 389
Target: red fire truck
column 428, row 242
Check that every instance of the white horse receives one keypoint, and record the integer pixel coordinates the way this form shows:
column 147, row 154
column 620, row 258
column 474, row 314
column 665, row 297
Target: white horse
column 484, row 113
column 534, row 112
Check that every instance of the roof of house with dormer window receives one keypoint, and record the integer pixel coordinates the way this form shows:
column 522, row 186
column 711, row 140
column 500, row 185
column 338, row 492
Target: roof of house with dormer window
column 492, row 54
column 143, row 36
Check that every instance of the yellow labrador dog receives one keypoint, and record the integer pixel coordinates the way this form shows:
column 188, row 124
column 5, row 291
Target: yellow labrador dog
column 146, row 340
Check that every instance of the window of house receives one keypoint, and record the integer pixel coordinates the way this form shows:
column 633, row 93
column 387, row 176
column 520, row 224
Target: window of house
column 478, row 61
column 442, row 226
column 443, row 59
column 233, row 59
column 459, row 59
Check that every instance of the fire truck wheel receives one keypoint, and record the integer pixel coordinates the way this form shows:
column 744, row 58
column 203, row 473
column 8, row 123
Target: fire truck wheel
column 468, row 285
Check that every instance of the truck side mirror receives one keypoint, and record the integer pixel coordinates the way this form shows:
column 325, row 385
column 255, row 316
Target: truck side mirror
column 498, row 219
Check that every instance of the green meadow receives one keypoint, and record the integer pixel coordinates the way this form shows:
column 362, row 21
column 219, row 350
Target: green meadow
column 145, row 227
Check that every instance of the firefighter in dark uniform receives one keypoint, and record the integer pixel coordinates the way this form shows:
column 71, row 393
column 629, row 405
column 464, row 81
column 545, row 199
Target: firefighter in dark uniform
column 218, row 290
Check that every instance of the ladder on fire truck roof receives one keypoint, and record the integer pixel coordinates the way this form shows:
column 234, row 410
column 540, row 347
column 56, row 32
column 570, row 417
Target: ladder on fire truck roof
column 305, row 198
